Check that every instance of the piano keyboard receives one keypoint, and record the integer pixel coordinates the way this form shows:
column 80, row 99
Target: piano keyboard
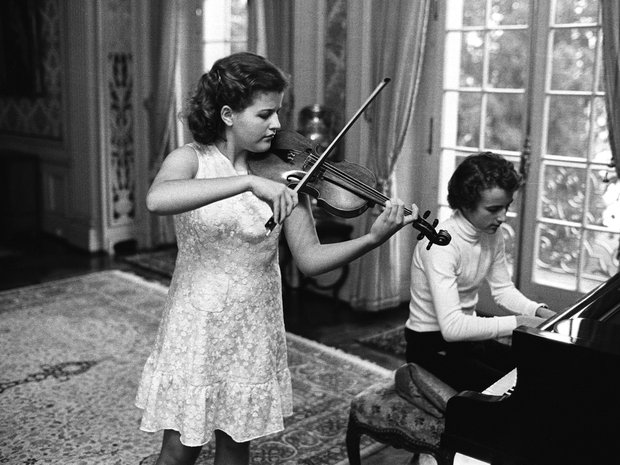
column 503, row 386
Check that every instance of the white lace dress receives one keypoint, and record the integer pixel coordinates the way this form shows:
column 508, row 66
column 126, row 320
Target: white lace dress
column 219, row 360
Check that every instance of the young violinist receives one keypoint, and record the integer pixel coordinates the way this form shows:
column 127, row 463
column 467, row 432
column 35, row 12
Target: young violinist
column 444, row 333
column 219, row 363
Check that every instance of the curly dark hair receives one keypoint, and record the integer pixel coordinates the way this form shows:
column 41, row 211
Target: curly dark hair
column 477, row 173
column 235, row 81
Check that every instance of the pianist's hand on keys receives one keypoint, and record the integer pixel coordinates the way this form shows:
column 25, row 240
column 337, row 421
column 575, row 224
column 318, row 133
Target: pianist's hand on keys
column 531, row 321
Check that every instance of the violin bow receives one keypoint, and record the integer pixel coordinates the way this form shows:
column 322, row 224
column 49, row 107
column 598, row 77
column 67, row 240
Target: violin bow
column 323, row 156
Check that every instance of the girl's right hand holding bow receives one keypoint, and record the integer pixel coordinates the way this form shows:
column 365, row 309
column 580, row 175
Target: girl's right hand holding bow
column 280, row 198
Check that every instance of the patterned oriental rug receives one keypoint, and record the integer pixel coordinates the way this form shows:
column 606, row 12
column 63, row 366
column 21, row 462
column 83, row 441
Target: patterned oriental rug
column 391, row 341
column 72, row 354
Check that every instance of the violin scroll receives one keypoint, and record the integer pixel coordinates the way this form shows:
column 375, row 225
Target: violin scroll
column 428, row 230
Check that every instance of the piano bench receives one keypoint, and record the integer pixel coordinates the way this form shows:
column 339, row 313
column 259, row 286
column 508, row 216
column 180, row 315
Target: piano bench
column 381, row 413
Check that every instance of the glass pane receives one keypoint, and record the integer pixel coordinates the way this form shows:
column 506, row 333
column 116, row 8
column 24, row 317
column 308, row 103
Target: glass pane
column 471, row 59
column 569, row 120
column 601, row 255
column 239, row 9
column 508, row 59
column 473, row 12
column 238, row 47
column 596, row 204
column 558, row 249
column 238, row 31
column 216, row 26
column 601, row 152
column 509, row 12
column 468, row 133
column 573, row 59
column 504, row 122
column 239, row 22
column 604, row 202
column 576, row 11
column 509, row 229
column 459, row 157
column 214, row 50
column 563, row 192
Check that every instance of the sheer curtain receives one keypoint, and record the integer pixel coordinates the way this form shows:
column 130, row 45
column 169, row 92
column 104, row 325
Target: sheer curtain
column 270, row 34
column 161, row 102
column 611, row 66
column 399, row 32
column 611, row 50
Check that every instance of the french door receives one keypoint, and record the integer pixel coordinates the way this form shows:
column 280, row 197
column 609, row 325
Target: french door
column 524, row 79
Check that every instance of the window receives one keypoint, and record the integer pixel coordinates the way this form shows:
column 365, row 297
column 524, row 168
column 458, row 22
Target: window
column 523, row 79
column 225, row 29
column 485, row 75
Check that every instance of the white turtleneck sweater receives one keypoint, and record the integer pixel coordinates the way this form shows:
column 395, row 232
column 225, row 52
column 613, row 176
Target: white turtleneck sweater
column 445, row 281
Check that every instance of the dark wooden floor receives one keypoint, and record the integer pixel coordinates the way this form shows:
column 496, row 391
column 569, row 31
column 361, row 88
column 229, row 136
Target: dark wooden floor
column 31, row 260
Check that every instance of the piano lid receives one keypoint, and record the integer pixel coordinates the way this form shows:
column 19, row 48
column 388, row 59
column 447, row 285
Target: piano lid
column 601, row 304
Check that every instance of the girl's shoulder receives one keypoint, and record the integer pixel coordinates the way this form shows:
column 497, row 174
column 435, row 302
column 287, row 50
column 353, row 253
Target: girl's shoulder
column 183, row 154
column 202, row 151
column 209, row 160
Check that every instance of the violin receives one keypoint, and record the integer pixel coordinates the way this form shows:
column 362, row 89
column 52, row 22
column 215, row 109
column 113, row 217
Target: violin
column 342, row 188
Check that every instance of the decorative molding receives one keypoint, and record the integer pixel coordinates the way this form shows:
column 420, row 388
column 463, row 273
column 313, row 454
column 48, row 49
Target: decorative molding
column 119, row 113
column 122, row 157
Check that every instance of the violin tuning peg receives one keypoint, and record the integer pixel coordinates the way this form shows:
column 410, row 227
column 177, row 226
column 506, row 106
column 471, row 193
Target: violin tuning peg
column 420, row 236
column 435, row 222
column 429, row 245
column 426, row 213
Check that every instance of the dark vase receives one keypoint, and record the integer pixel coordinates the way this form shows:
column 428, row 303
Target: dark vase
column 316, row 123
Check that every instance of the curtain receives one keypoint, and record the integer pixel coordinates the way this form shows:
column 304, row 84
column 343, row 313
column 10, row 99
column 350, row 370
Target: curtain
column 399, row 32
column 611, row 68
column 161, row 102
column 611, row 51
column 270, row 34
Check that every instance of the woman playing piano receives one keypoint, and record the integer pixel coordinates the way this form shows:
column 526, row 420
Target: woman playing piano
column 444, row 333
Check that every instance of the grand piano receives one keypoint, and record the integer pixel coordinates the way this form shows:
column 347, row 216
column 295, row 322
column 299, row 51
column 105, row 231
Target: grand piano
column 561, row 404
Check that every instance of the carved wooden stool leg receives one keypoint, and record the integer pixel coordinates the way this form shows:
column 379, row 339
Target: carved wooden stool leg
column 353, row 442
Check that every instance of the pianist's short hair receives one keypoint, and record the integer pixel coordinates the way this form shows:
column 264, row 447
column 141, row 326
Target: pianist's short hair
column 480, row 172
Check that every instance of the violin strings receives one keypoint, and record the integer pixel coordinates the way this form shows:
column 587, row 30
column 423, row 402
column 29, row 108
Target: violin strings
column 371, row 193
column 364, row 189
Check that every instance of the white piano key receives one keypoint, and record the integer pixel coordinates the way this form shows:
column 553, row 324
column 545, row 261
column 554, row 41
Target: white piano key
column 502, row 386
